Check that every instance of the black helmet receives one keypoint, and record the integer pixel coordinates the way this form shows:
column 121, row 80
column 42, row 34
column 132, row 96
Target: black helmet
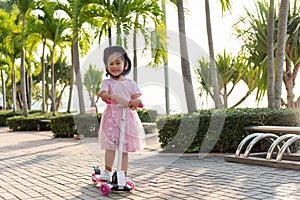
column 116, row 49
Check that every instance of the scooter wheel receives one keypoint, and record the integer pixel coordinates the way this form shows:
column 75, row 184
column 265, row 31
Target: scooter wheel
column 131, row 184
column 104, row 188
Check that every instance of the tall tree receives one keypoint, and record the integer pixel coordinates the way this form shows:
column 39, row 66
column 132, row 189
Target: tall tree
column 144, row 13
column 92, row 80
column 185, row 65
column 292, row 55
column 24, row 7
column 42, row 22
column 281, row 43
column 270, row 52
column 252, row 30
column 213, row 68
column 57, row 28
column 166, row 68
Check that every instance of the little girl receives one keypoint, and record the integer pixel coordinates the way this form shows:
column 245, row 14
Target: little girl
column 119, row 92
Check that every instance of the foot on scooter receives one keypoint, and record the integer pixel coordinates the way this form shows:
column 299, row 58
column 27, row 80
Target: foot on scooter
column 105, row 176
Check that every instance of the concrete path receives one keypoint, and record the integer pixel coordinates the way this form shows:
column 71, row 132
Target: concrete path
column 33, row 165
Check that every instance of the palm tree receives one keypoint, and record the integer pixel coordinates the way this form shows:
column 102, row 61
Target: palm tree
column 254, row 35
column 4, row 63
column 24, row 6
column 166, row 71
column 281, row 41
column 76, row 12
column 232, row 70
column 270, row 52
column 292, row 55
column 11, row 48
column 42, row 22
column 185, row 65
column 144, row 12
column 56, row 28
column 213, row 68
column 92, row 81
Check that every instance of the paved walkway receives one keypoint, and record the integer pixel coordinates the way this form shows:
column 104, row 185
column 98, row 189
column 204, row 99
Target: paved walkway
column 35, row 166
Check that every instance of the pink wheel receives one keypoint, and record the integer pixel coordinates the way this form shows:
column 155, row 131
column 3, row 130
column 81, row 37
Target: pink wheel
column 131, row 184
column 104, row 188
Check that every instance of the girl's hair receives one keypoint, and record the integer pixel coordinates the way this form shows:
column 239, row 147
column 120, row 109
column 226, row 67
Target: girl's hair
column 117, row 49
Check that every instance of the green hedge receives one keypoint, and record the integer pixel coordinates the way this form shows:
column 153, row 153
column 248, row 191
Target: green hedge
column 31, row 123
column 5, row 114
column 186, row 132
column 67, row 125
column 87, row 125
column 63, row 124
column 147, row 115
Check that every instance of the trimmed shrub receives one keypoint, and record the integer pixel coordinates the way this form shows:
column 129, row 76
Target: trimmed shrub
column 5, row 114
column 87, row 125
column 30, row 123
column 186, row 133
column 147, row 115
column 63, row 125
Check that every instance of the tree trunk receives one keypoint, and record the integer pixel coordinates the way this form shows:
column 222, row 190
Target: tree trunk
column 71, row 83
column 3, row 91
column 213, row 68
column 53, row 83
column 14, row 89
column 78, row 74
column 166, row 70
column 43, row 78
column 281, row 43
column 135, row 51
column 185, row 65
column 28, row 89
column 270, row 49
column 22, row 71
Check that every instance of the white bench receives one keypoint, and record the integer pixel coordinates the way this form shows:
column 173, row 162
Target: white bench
column 275, row 129
column 149, row 127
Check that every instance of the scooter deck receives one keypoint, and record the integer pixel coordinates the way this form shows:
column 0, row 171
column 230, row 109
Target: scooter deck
column 107, row 186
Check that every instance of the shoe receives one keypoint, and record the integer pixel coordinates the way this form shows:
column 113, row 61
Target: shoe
column 105, row 176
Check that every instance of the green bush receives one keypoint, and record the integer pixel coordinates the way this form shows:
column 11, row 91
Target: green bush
column 147, row 115
column 87, row 125
column 63, row 125
column 186, row 133
column 30, row 123
column 5, row 114
column 67, row 125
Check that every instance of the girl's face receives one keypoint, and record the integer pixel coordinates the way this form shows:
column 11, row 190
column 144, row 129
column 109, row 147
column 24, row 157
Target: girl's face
column 115, row 64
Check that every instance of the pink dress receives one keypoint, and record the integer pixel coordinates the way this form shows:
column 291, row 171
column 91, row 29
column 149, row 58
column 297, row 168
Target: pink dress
column 109, row 133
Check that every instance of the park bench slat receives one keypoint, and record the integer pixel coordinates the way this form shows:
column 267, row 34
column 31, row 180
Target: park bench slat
column 275, row 129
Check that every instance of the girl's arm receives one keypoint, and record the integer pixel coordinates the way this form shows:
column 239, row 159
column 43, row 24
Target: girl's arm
column 107, row 96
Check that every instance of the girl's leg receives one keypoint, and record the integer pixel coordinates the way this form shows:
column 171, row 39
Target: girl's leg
column 109, row 159
column 125, row 163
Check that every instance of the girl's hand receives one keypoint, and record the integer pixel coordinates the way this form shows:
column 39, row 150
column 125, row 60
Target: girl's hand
column 134, row 103
column 122, row 101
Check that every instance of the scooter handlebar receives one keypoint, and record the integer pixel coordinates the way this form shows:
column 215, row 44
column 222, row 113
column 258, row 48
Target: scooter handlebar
column 109, row 101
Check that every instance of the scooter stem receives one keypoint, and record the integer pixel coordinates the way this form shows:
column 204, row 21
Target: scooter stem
column 121, row 142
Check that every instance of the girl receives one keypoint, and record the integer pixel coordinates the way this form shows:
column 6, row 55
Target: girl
column 119, row 92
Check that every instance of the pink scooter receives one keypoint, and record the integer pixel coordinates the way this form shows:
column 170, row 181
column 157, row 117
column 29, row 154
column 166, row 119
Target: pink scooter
column 119, row 182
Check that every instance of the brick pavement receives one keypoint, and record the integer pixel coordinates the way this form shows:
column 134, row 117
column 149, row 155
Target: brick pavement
column 35, row 166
